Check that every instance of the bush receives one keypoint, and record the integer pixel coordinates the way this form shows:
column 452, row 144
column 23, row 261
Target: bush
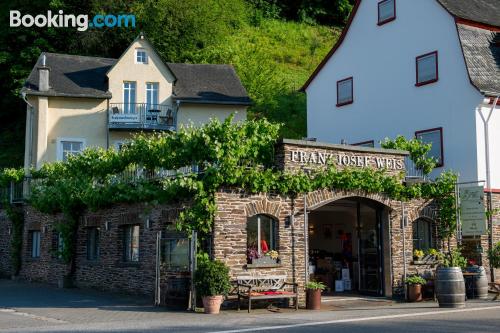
column 314, row 285
column 415, row 279
column 452, row 259
column 212, row 278
column 494, row 255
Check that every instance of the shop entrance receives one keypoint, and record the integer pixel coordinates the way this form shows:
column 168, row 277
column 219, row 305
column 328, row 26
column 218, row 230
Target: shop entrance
column 347, row 246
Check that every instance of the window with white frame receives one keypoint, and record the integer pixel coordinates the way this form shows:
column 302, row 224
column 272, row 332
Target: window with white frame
column 261, row 236
column 435, row 137
column 427, row 68
column 422, row 236
column 129, row 96
column 35, row 243
column 131, row 243
column 69, row 147
column 386, row 11
column 152, row 100
column 141, row 56
column 345, row 91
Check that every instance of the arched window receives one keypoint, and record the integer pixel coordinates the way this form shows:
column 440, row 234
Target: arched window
column 422, row 235
column 261, row 236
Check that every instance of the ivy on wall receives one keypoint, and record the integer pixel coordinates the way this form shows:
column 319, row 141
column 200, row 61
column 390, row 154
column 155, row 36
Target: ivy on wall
column 226, row 155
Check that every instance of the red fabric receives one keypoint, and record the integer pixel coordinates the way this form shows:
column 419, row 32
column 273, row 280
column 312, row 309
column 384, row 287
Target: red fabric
column 263, row 246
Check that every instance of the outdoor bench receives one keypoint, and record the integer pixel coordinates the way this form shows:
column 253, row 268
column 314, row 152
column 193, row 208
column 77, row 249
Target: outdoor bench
column 265, row 287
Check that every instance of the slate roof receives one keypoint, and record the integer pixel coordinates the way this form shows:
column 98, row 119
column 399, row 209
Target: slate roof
column 72, row 76
column 208, row 84
column 482, row 55
column 482, row 11
column 80, row 76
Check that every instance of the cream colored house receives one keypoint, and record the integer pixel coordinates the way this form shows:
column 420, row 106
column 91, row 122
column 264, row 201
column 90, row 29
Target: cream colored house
column 74, row 102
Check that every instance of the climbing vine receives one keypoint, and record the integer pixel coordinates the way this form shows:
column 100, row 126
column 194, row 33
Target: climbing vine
column 225, row 155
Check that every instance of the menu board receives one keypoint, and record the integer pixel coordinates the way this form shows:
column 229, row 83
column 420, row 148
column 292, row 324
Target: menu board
column 472, row 211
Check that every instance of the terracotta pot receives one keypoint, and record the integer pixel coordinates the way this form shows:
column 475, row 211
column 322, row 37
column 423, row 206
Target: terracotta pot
column 211, row 304
column 415, row 292
column 313, row 299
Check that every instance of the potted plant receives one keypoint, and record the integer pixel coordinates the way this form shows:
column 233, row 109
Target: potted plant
column 450, row 285
column 418, row 255
column 314, row 290
column 415, row 284
column 212, row 283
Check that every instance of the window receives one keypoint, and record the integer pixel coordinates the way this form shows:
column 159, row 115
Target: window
column 435, row 137
column 152, row 95
column 386, row 11
column 69, row 146
column 35, row 244
column 344, row 92
column 141, row 57
column 131, row 243
column 427, row 68
column 177, row 254
column 422, row 236
column 92, row 244
column 129, row 97
column 261, row 236
column 369, row 143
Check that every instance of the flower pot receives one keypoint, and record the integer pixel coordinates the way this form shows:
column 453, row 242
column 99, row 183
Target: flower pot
column 415, row 292
column 313, row 299
column 211, row 304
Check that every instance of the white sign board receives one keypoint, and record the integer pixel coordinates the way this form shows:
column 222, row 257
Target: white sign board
column 472, row 211
column 125, row 118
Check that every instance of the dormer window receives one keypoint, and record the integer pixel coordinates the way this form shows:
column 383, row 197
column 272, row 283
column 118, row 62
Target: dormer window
column 386, row 11
column 141, row 57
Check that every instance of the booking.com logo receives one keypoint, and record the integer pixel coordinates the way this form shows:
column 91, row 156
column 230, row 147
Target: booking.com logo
column 61, row 20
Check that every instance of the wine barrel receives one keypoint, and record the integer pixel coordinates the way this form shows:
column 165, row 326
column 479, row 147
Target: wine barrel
column 450, row 287
column 477, row 286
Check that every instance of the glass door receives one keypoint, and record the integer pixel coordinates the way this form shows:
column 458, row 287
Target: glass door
column 370, row 250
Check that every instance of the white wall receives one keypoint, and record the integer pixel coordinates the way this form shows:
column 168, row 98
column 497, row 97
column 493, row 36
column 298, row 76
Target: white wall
column 494, row 143
column 386, row 101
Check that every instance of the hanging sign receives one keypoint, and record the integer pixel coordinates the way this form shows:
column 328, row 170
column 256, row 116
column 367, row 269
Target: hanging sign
column 472, row 211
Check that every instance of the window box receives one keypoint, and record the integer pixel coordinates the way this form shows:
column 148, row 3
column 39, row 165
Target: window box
column 345, row 92
column 386, row 11
column 427, row 69
column 274, row 265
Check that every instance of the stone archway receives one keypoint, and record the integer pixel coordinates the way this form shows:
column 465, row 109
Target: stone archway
column 323, row 197
column 264, row 207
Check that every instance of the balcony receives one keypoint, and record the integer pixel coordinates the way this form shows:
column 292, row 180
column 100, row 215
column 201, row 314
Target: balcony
column 142, row 116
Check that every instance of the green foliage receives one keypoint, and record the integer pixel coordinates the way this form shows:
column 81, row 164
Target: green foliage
column 315, row 285
column 9, row 175
column 453, row 258
column 418, row 151
column 212, row 278
column 494, row 255
column 415, row 279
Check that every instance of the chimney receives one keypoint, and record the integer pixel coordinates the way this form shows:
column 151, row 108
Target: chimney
column 43, row 75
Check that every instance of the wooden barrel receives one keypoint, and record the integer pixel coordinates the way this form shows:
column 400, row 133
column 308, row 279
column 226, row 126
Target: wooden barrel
column 480, row 284
column 450, row 287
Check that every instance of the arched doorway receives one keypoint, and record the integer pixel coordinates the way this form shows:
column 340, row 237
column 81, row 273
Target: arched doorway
column 349, row 246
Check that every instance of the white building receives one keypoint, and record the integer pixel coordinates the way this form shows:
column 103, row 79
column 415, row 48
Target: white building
column 426, row 68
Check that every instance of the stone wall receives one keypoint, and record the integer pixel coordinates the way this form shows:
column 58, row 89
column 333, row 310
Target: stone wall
column 5, row 238
column 485, row 241
column 235, row 207
column 109, row 272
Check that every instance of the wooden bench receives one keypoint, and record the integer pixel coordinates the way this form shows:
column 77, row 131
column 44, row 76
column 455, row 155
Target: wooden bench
column 265, row 287
column 495, row 289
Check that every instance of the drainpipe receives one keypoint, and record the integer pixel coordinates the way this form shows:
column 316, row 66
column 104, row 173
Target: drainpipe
column 403, row 225
column 29, row 119
column 107, row 124
column 488, row 173
column 306, row 241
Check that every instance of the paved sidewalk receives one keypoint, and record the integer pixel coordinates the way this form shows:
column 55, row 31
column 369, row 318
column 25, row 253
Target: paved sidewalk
column 26, row 307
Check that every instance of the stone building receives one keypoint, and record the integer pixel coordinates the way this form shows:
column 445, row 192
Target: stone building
column 367, row 239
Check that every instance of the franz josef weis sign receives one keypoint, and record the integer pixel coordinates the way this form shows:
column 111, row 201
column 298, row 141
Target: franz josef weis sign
column 346, row 160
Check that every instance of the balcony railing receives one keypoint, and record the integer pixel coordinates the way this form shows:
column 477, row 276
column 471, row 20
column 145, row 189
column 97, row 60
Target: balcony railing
column 142, row 116
column 413, row 173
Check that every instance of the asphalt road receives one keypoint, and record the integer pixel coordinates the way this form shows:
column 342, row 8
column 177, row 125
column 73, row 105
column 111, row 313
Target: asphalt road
column 37, row 308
